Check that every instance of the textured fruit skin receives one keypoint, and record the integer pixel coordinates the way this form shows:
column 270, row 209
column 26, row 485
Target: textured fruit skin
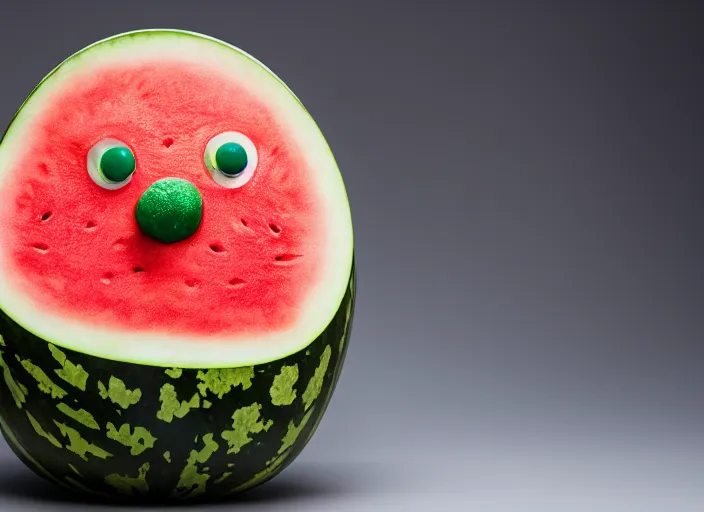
column 268, row 433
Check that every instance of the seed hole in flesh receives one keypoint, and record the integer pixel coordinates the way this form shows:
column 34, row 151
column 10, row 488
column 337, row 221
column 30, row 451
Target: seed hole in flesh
column 236, row 281
column 244, row 222
column 107, row 277
column 287, row 257
column 120, row 244
column 167, row 142
column 191, row 283
column 217, row 248
column 274, row 228
column 90, row 225
column 137, row 269
column 40, row 247
column 46, row 216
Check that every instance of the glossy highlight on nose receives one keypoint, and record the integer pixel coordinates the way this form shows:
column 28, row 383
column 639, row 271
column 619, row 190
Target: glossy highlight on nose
column 170, row 210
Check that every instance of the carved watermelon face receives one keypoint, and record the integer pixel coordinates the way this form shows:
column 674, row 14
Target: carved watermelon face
column 171, row 202
column 177, row 278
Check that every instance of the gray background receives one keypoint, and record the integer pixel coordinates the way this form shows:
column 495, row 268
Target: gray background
column 525, row 179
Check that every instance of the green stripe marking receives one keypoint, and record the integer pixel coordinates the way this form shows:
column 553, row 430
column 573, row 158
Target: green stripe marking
column 245, row 421
column 170, row 405
column 293, row 432
column 43, row 433
column 118, row 393
column 81, row 416
column 191, row 482
column 73, row 374
column 17, row 389
column 282, row 391
column 44, row 383
column 347, row 326
column 174, row 373
column 128, row 485
column 222, row 477
column 80, row 446
column 315, row 385
column 221, row 381
column 273, row 464
column 14, row 442
column 258, row 478
column 139, row 440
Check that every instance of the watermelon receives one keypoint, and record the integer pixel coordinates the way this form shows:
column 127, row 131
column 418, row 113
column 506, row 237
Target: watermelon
column 177, row 275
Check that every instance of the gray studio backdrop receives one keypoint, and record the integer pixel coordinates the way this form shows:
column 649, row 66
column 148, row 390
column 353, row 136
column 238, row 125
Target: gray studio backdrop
column 526, row 185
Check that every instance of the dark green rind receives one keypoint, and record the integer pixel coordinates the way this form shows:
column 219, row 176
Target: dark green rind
column 111, row 469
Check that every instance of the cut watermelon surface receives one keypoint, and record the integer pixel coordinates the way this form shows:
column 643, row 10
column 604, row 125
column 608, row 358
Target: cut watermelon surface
column 177, row 275
column 268, row 265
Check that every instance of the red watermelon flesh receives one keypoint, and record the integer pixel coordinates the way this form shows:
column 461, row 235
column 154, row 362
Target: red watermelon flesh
column 76, row 248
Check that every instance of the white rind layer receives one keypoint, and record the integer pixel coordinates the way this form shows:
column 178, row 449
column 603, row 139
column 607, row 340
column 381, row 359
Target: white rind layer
column 325, row 297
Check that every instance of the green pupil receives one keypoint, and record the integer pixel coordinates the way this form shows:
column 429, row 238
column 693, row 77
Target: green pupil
column 117, row 164
column 231, row 158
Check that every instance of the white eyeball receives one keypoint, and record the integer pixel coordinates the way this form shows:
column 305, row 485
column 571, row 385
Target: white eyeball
column 231, row 159
column 111, row 164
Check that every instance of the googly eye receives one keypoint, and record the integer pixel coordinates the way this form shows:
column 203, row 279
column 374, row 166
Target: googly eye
column 231, row 159
column 111, row 164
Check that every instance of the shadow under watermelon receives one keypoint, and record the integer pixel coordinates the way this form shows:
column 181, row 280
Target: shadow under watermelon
column 300, row 483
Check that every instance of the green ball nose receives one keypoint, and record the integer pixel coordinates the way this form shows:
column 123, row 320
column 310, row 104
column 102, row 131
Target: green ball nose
column 170, row 210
